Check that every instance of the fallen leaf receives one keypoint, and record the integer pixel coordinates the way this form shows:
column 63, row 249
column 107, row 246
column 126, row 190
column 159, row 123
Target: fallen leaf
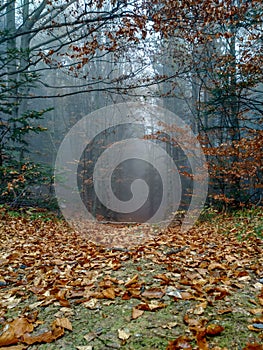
column 215, row 265
column 47, row 337
column 153, row 293
column 123, row 334
column 136, row 313
column 224, row 311
column 181, row 343
column 90, row 336
column 163, row 278
column 200, row 308
column 214, row 329
column 187, row 296
column 254, row 346
column 131, row 281
column 63, row 322
column 169, row 325
column 14, row 330
column 257, row 311
column 109, row 293
column 151, row 306
column 252, row 328
column 91, row 304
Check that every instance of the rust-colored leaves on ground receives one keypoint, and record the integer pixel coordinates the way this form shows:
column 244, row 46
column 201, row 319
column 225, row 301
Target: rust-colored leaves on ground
column 201, row 270
column 20, row 330
column 181, row 343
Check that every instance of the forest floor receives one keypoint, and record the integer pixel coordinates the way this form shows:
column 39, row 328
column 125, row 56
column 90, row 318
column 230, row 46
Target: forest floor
column 198, row 290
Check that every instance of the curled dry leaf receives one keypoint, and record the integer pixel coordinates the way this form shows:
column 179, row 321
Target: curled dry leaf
column 14, row 330
column 164, row 279
column 131, row 281
column 224, row 311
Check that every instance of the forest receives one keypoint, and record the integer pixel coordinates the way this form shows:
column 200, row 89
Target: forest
column 131, row 174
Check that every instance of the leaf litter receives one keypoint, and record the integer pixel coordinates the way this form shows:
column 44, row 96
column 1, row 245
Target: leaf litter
column 198, row 290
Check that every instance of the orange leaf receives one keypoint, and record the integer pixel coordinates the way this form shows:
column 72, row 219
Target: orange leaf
column 150, row 306
column 131, row 281
column 109, row 293
column 214, row 329
column 254, row 346
column 47, row 337
column 163, row 277
column 224, row 311
column 14, row 330
column 181, row 343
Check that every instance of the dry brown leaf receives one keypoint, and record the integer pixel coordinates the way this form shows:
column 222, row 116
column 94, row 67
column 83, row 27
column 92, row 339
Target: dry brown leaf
column 201, row 341
column 252, row 328
column 136, row 313
column 224, row 311
column 14, row 330
column 47, row 337
column 187, row 296
column 131, row 281
column 151, row 306
column 163, row 278
column 90, row 336
column 63, row 322
column 153, row 293
column 257, row 311
column 193, row 322
column 200, row 308
column 181, row 343
column 109, row 293
column 214, row 329
column 216, row 265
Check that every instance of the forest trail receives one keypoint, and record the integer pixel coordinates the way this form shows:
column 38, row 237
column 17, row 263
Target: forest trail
column 200, row 290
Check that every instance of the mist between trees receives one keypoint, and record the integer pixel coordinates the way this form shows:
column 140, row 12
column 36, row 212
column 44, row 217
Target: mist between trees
column 61, row 60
